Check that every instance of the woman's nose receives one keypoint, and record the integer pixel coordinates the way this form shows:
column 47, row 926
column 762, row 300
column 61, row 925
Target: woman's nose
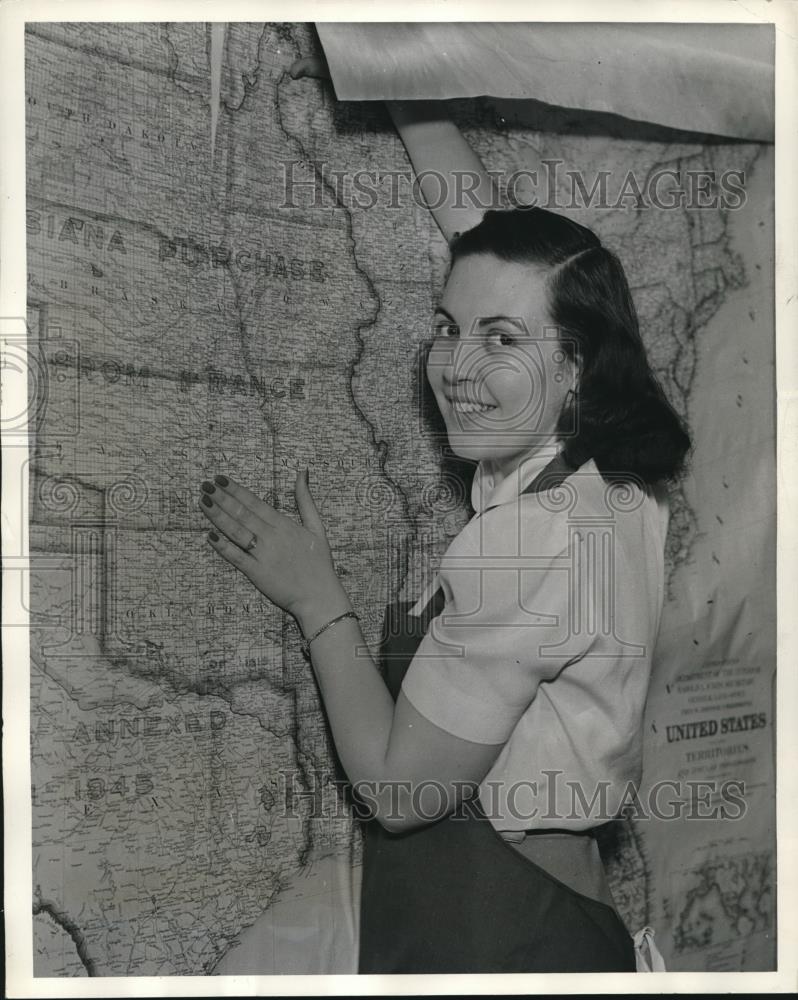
column 469, row 362
column 458, row 363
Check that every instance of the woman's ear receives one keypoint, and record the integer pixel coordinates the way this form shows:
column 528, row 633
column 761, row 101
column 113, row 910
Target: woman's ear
column 576, row 372
column 572, row 375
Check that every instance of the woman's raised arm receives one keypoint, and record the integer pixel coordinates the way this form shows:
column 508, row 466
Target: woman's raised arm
column 452, row 179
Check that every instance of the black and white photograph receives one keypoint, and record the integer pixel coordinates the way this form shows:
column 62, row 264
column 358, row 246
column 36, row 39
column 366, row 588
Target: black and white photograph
column 392, row 454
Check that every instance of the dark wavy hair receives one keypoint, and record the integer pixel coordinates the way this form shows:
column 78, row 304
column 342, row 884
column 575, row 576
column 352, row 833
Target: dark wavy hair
column 619, row 416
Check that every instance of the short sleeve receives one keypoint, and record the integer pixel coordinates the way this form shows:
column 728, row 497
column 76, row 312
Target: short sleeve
column 502, row 632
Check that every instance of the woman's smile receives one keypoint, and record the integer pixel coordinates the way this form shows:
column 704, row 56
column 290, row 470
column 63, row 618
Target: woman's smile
column 466, row 405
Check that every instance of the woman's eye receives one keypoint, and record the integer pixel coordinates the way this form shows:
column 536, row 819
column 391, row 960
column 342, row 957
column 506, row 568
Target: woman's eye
column 446, row 330
column 504, row 338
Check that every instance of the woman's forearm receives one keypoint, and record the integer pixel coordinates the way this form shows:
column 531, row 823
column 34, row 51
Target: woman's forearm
column 453, row 180
column 358, row 704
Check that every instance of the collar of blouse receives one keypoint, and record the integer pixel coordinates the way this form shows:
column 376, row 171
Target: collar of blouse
column 486, row 492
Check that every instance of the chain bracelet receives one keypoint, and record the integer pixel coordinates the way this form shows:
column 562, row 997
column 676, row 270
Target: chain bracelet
column 306, row 642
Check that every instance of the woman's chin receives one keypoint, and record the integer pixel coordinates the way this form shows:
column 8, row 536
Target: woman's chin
column 465, row 446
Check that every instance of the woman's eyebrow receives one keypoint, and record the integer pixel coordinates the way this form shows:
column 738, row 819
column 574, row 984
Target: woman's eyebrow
column 519, row 324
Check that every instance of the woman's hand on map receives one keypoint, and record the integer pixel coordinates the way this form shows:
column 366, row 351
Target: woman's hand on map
column 288, row 562
column 315, row 66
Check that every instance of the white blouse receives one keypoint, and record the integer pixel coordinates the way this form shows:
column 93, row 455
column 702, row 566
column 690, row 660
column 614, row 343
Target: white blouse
column 544, row 645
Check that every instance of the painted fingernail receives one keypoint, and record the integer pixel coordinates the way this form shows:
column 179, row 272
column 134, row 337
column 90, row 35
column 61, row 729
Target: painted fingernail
column 208, row 487
column 221, row 480
column 207, row 501
column 213, row 536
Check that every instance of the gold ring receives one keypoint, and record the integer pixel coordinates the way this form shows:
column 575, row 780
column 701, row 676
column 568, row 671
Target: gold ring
column 252, row 542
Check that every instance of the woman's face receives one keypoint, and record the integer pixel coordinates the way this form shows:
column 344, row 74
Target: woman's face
column 496, row 367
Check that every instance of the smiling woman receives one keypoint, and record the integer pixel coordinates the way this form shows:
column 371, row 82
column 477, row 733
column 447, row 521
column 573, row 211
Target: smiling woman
column 520, row 662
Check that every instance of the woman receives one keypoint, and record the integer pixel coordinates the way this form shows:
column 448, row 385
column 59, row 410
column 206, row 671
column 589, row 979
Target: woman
column 508, row 726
